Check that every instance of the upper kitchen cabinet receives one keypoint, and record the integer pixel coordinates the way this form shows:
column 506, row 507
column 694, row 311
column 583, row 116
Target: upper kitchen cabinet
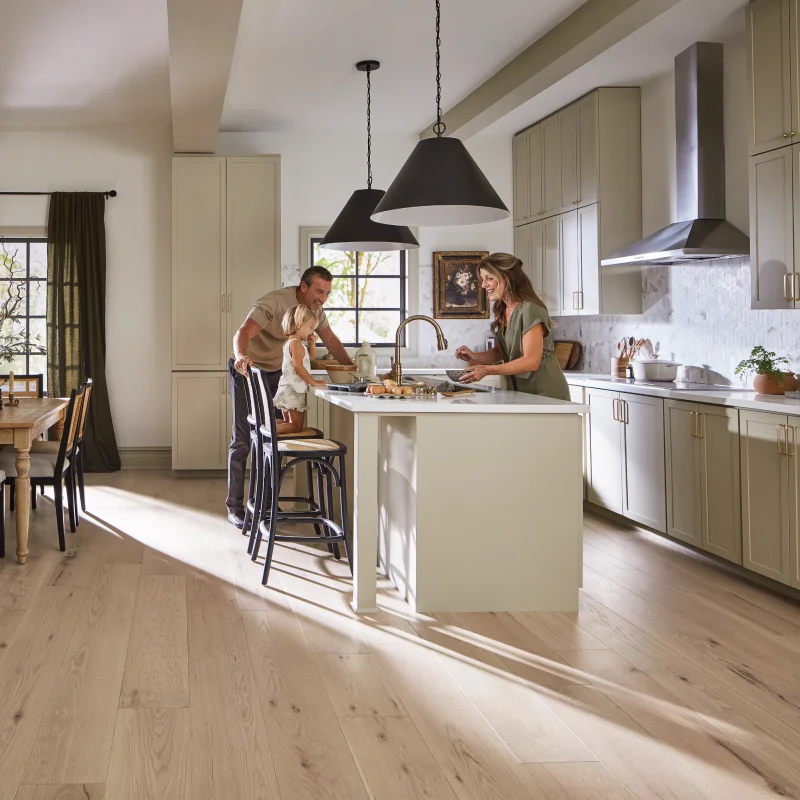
column 521, row 179
column 584, row 167
column 773, row 219
column 225, row 251
column 772, row 53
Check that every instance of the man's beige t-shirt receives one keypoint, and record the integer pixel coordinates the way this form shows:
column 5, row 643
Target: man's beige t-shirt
column 266, row 347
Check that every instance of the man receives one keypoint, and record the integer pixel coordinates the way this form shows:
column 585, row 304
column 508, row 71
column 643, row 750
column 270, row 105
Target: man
column 260, row 341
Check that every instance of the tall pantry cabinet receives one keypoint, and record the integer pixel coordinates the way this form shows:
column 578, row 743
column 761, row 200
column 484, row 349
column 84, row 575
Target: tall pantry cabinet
column 225, row 255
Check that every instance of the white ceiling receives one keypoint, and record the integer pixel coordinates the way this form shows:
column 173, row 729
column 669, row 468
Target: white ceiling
column 642, row 56
column 293, row 67
column 83, row 63
column 103, row 63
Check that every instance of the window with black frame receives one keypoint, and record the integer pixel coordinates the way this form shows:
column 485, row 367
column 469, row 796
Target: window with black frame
column 368, row 299
column 23, row 306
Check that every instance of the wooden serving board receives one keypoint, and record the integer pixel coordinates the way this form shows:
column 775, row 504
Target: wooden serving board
column 458, row 393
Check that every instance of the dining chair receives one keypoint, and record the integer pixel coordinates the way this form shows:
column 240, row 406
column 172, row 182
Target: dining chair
column 48, row 469
column 2, row 514
column 77, row 460
column 24, row 385
column 282, row 455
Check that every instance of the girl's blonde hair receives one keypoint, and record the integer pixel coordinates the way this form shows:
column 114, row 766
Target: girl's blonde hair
column 519, row 289
column 295, row 318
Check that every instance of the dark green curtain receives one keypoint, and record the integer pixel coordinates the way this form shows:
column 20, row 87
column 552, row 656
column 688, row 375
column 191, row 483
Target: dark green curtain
column 76, row 315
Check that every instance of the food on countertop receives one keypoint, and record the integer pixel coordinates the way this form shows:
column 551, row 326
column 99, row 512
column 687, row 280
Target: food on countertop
column 389, row 382
column 376, row 389
column 396, row 389
column 407, row 390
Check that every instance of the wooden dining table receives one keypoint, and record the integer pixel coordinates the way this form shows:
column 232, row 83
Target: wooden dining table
column 20, row 425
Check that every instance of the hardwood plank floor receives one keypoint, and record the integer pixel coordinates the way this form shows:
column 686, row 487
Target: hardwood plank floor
column 147, row 661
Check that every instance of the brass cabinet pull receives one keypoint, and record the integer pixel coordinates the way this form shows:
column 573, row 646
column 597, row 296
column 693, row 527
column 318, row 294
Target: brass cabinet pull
column 701, row 425
column 229, row 303
column 624, row 411
column 792, row 133
column 778, row 429
column 785, row 289
column 691, row 425
column 785, row 135
column 795, row 294
column 575, row 306
column 789, row 449
column 614, row 409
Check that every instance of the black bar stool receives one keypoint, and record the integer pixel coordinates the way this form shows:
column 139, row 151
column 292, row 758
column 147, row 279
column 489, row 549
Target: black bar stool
column 279, row 454
column 255, row 417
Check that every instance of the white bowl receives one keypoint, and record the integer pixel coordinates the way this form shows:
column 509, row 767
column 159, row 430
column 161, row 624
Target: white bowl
column 655, row 370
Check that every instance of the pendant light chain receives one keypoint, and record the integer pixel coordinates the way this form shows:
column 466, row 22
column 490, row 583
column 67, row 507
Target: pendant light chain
column 369, row 130
column 439, row 128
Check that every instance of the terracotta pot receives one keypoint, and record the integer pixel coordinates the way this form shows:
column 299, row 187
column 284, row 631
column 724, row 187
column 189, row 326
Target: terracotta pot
column 766, row 384
column 790, row 382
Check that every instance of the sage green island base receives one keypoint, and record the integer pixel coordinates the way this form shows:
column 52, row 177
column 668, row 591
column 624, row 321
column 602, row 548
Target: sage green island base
column 467, row 504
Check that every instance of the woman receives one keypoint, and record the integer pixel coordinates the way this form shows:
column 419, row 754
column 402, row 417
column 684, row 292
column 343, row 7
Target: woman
column 523, row 330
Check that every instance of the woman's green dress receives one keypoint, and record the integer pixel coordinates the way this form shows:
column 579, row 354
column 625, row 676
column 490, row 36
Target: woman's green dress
column 548, row 380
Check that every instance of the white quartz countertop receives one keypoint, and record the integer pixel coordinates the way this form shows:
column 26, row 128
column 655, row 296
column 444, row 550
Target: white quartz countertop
column 406, row 371
column 497, row 402
column 733, row 396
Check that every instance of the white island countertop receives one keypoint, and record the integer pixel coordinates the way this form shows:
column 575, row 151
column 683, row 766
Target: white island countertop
column 499, row 401
column 733, row 396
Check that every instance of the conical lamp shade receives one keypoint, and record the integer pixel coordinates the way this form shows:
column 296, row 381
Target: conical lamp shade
column 354, row 230
column 440, row 184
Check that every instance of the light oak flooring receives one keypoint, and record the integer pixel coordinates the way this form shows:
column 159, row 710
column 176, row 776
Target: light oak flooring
column 148, row 662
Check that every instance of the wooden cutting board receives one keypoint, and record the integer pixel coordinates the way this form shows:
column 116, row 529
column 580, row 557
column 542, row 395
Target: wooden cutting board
column 567, row 353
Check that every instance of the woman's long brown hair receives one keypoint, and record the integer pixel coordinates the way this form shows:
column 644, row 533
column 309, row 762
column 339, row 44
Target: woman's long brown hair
column 519, row 289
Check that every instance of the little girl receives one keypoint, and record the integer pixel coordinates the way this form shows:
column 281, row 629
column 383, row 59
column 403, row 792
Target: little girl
column 298, row 324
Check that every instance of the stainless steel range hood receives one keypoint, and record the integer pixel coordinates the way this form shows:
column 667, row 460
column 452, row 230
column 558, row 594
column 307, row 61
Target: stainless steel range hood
column 700, row 155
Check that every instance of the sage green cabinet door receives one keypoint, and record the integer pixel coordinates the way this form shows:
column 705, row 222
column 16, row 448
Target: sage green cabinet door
column 718, row 428
column 535, row 266
column 589, row 253
column 767, row 495
column 772, row 249
column 644, row 485
column 570, row 263
column 576, row 396
column 521, row 178
column 535, row 176
column 568, row 142
column 201, row 429
column 794, row 518
column 199, row 290
column 551, row 265
column 605, row 454
column 770, row 52
column 588, row 150
column 684, row 471
column 551, row 167
column 528, row 246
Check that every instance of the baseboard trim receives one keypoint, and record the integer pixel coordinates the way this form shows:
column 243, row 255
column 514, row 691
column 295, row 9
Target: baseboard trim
column 146, row 457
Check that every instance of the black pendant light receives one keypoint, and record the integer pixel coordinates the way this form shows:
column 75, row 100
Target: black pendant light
column 440, row 183
column 353, row 229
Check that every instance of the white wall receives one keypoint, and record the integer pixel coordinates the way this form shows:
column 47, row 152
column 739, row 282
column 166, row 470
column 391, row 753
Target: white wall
column 137, row 165
column 318, row 174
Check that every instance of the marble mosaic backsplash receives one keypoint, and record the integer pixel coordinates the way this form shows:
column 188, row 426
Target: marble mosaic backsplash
column 697, row 314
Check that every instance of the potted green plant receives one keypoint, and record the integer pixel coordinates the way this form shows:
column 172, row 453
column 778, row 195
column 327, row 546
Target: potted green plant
column 769, row 378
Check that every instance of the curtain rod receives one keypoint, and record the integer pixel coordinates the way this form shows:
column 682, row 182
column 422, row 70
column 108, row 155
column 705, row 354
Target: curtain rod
column 112, row 193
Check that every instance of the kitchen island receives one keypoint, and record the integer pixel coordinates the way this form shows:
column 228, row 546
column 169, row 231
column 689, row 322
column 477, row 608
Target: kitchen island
column 467, row 504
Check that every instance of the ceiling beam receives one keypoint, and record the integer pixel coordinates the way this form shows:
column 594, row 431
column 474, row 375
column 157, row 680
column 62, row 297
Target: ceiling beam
column 202, row 38
column 586, row 33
